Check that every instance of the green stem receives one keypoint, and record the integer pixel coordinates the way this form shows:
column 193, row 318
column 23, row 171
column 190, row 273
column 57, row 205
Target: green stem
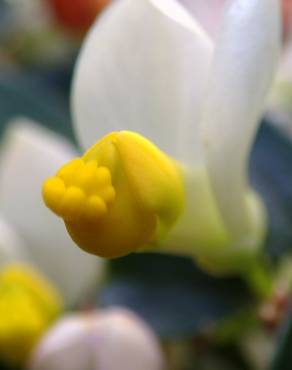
column 282, row 357
column 260, row 279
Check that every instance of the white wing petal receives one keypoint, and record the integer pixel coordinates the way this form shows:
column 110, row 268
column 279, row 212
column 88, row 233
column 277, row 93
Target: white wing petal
column 113, row 339
column 12, row 249
column 143, row 68
column 244, row 63
column 135, row 348
column 207, row 12
column 65, row 346
column 30, row 154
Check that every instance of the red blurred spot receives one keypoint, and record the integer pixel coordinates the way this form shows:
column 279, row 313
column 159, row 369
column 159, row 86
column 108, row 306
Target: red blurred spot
column 76, row 15
column 287, row 17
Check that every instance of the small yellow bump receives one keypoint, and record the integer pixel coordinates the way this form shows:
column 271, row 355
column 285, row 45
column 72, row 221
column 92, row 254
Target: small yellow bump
column 73, row 203
column 53, row 193
column 80, row 189
column 95, row 208
column 85, row 180
column 103, row 176
column 91, row 165
column 108, row 194
column 68, row 171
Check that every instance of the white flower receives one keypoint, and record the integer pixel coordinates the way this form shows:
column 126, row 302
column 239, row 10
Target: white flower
column 150, row 67
column 114, row 339
column 27, row 155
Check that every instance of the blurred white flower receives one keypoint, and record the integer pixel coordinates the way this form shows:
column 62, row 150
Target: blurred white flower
column 11, row 246
column 150, row 67
column 29, row 32
column 114, row 339
column 28, row 154
column 207, row 12
column 280, row 99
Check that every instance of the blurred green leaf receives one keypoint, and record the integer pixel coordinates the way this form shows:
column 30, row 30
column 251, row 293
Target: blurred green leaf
column 175, row 297
column 32, row 96
column 271, row 176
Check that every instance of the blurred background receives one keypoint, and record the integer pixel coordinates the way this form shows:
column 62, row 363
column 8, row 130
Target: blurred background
column 39, row 41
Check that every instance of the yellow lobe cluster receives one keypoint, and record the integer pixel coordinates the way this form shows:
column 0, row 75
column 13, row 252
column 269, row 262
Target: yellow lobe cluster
column 122, row 195
column 79, row 190
column 28, row 304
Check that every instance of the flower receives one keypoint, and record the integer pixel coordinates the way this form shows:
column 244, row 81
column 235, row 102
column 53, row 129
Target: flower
column 130, row 189
column 28, row 304
column 149, row 67
column 111, row 339
column 28, row 154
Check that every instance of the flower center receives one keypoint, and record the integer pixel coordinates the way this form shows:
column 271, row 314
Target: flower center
column 80, row 190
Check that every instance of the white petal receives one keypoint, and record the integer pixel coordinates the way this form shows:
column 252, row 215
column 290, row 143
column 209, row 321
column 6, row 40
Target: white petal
column 65, row 346
column 245, row 58
column 12, row 249
column 114, row 339
column 125, row 342
column 143, row 68
column 28, row 155
column 207, row 12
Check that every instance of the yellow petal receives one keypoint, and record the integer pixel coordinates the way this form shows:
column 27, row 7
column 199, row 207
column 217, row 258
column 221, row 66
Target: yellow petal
column 153, row 176
column 28, row 304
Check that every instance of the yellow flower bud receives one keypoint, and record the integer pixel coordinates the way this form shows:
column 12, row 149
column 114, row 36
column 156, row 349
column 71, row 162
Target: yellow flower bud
column 123, row 194
column 27, row 306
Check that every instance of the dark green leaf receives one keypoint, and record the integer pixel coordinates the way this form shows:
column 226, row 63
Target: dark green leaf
column 271, row 175
column 31, row 97
column 172, row 294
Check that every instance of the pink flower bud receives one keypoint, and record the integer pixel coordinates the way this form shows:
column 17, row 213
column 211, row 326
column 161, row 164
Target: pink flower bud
column 114, row 339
